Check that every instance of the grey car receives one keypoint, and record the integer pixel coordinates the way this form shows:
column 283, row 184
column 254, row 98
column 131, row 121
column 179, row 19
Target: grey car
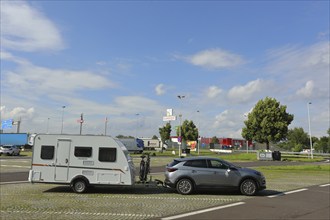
column 188, row 174
column 10, row 150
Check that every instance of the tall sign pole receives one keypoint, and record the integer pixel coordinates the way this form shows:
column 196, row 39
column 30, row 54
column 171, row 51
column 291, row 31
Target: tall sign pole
column 181, row 97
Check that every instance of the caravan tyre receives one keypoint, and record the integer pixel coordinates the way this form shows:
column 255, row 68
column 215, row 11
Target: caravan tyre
column 79, row 186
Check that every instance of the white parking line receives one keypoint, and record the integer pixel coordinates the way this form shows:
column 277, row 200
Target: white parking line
column 328, row 184
column 286, row 193
column 202, row 211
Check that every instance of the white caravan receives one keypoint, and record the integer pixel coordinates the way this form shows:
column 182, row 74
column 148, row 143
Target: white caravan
column 81, row 161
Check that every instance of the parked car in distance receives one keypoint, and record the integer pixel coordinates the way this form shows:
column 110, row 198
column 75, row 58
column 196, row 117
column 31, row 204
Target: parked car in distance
column 187, row 174
column 10, row 150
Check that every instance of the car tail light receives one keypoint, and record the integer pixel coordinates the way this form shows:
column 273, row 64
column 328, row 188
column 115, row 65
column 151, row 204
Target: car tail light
column 171, row 169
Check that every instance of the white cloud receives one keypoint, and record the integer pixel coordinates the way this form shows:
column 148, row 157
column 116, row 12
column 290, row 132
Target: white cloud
column 160, row 89
column 248, row 92
column 307, row 90
column 297, row 65
column 229, row 123
column 48, row 81
column 24, row 28
column 213, row 91
column 215, row 59
column 16, row 113
column 4, row 55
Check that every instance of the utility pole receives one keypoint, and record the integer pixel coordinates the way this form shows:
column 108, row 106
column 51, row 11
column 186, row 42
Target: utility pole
column 63, row 107
column 18, row 124
column 81, row 121
column 105, row 125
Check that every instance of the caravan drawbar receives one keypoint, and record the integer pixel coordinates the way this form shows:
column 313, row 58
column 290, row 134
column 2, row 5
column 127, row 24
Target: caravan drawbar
column 81, row 161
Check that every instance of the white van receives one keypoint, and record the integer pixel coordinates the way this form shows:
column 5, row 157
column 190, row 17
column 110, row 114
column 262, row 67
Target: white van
column 81, row 161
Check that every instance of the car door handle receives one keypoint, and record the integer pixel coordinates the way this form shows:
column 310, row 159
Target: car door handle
column 194, row 171
column 66, row 161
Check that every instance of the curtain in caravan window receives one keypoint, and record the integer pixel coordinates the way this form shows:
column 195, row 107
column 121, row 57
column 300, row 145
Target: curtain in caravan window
column 83, row 151
column 47, row 152
column 107, row 154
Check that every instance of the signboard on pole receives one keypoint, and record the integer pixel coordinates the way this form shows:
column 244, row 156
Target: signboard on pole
column 7, row 124
column 169, row 112
column 169, row 118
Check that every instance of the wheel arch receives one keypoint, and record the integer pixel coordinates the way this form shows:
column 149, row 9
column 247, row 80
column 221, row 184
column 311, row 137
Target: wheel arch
column 251, row 178
column 79, row 177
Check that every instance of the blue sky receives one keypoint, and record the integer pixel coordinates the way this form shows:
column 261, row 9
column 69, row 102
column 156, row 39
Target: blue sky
column 129, row 60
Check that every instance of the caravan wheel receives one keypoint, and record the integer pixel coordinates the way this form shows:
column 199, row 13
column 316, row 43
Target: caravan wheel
column 79, row 186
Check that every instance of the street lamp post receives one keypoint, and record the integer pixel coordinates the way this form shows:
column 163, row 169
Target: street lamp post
column 105, row 125
column 48, row 125
column 63, row 107
column 137, row 124
column 310, row 132
column 180, row 142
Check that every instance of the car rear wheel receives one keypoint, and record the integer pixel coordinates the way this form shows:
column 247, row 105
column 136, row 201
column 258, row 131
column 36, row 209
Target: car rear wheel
column 79, row 186
column 248, row 187
column 184, row 186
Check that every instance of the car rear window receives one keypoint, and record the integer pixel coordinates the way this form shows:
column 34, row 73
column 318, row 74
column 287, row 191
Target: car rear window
column 196, row 163
column 173, row 163
column 7, row 147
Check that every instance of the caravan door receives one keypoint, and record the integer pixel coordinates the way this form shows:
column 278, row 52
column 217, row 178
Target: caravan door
column 62, row 159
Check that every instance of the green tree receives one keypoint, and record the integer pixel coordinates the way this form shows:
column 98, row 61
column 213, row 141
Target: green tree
column 154, row 137
column 296, row 139
column 215, row 140
column 165, row 133
column 323, row 144
column 123, row 136
column 297, row 148
column 189, row 131
column 268, row 122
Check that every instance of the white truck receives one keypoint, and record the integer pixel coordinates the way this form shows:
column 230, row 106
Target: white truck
column 81, row 161
column 133, row 145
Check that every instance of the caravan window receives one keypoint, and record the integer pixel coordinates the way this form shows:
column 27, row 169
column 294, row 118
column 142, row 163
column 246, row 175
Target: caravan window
column 47, row 152
column 107, row 154
column 83, row 151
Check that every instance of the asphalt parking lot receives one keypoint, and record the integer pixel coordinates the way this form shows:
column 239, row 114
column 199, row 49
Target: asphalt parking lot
column 42, row 201
column 314, row 203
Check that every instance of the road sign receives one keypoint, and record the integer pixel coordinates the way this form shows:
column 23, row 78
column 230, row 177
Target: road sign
column 7, row 124
column 169, row 112
column 169, row 118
